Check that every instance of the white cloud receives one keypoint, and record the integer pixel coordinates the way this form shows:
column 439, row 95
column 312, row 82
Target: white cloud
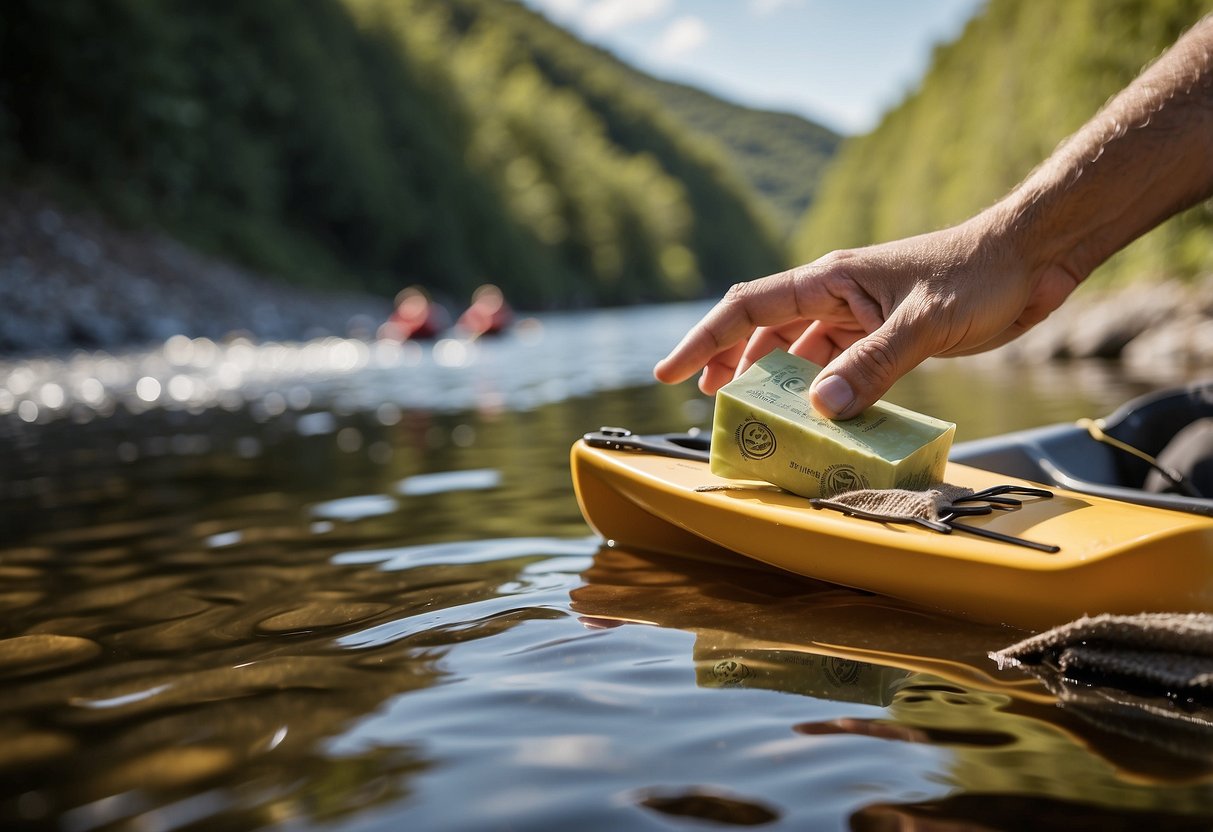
column 683, row 35
column 609, row 15
column 763, row 8
column 562, row 11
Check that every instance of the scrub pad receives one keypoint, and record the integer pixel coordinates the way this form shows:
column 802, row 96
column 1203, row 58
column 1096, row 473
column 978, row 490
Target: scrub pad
column 765, row 429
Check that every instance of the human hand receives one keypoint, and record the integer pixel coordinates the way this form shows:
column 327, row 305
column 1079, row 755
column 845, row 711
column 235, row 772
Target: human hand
column 870, row 315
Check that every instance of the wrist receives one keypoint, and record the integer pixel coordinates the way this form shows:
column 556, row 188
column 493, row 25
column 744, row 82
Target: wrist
column 1035, row 229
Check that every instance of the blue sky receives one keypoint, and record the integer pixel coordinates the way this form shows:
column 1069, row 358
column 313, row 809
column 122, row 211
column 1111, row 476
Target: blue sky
column 840, row 62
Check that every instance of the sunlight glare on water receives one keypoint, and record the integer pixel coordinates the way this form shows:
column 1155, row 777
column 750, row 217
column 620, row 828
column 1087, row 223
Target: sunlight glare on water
column 340, row 585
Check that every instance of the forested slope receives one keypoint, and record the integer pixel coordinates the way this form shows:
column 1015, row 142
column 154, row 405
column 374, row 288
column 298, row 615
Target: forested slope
column 995, row 102
column 781, row 155
column 375, row 143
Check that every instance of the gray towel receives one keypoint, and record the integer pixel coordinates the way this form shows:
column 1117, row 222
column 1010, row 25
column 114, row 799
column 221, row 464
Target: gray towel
column 1172, row 652
column 1148, row 676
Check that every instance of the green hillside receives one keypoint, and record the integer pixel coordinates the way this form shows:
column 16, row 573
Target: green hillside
column 1022, row 76
column 781, row 155
column 375, row 143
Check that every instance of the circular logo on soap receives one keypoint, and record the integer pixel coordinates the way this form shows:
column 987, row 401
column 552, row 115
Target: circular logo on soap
column 755, row 440
column 838, row 479
column 731, row 672
column 843, row 672
column 795, row 384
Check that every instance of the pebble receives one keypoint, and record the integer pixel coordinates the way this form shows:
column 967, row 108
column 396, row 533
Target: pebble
column 166, row 768
column 34, row 748
column 121, row 592
column 319, row 615
column 19, row 599
column 23, row 655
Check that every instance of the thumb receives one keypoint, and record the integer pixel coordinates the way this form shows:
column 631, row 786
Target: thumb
column 866, row 370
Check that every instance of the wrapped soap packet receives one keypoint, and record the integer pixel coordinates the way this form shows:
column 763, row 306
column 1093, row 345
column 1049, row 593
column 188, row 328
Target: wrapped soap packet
column 765, row 429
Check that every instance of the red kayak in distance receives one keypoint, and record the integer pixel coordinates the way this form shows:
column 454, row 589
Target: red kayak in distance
column 416, row 317
column 489, row 313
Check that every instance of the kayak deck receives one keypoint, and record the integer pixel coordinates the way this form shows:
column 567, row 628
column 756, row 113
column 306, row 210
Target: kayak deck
column 1114, row 557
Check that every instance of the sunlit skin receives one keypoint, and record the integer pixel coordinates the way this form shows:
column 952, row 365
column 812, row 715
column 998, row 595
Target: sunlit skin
column 870, row 315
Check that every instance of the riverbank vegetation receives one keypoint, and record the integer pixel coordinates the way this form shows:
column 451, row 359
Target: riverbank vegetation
column 994, row 104
column 375, row 143
column 370, row 144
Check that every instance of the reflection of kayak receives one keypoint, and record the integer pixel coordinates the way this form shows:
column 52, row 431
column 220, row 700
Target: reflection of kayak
column 931, row 676
column 1114, row 556
column 754, row 628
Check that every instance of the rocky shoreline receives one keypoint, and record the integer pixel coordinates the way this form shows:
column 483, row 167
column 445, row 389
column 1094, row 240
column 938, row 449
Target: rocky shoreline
column 1145, row 326
column 74, row 281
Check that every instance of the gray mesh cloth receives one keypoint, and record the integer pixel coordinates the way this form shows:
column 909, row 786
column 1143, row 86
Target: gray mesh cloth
column 1147, row 676
column 1171, row 651
column 898, row 503
column 936, row 508
column 931, row 504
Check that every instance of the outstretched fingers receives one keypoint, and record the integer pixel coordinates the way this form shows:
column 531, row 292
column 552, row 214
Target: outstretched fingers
column 700, row 350
column 767, row 338
column 717, row 342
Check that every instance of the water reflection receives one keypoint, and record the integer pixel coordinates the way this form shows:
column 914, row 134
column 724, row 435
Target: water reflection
column 349, row 587
column 228, row 674
column 926, row 678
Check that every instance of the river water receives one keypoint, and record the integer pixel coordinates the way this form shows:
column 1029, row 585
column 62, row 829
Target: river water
column 347, row 586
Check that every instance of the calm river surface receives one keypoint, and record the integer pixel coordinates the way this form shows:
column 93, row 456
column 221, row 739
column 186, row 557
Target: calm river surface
column 343, row 586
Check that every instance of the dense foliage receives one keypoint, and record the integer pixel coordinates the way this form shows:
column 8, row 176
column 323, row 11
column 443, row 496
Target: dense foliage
column 377, row 143
column 1023, row 76
column 781, row 155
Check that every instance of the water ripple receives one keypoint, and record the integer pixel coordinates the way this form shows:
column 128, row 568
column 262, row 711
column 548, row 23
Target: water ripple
column 481, row 479
column 474, row 551
column 355, row 508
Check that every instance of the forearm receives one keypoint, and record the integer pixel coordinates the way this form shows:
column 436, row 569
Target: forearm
column 1147, row 155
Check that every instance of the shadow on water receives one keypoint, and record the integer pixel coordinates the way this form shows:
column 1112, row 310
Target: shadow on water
column 344, row 610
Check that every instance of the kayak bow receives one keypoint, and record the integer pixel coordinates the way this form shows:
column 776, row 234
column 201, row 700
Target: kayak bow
column 1113, row 556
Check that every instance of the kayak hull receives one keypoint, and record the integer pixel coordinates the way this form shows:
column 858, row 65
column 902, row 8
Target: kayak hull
column 1115, row 557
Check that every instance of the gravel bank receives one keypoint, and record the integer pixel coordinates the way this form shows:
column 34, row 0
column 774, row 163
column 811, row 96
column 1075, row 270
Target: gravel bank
column 72, row 280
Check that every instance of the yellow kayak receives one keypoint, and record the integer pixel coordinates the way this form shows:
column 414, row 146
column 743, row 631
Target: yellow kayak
column 1110, row 555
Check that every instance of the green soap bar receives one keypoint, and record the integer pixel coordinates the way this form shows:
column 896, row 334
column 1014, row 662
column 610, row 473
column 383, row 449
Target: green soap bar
column 765, row 429
column 796, row 671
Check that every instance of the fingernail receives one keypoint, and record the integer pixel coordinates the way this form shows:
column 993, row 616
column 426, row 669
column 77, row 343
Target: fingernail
column 835, row 394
